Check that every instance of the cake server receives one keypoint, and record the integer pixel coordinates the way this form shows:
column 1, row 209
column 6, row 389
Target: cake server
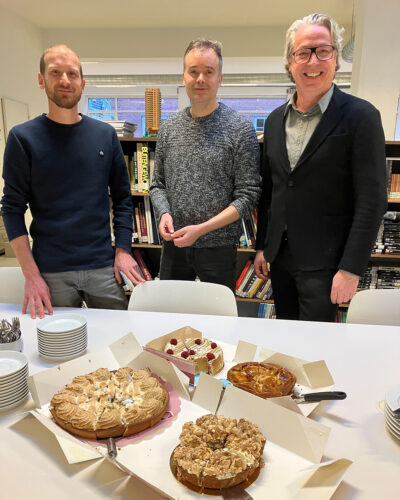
column 235, row 493
column 111, row 448
column 313, row 397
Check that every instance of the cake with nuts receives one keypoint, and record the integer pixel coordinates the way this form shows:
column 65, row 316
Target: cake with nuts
column 107, row 403
column 218, row 452
column 205, row 354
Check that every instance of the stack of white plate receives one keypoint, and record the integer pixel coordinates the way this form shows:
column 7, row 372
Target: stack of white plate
column 13, row 379
column 392, row 411
column 62, row 336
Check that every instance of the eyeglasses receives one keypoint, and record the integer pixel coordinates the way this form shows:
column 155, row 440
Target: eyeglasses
column 323, row 53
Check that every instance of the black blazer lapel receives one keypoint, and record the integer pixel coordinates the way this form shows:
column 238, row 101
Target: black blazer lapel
column 281, row 138
column 329, row 120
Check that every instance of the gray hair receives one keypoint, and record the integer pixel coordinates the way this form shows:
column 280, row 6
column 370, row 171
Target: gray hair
column 322, row 20
column 204, row 44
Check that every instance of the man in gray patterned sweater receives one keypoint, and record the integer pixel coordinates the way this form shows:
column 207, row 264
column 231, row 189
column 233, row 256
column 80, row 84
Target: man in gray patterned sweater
column 206, row 176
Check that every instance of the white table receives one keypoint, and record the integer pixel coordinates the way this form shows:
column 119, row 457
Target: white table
column 364, row 361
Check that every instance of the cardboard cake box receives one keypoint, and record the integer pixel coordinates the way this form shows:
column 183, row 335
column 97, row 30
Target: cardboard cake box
column 157, row 346
column 294, row 448
column 311, row 376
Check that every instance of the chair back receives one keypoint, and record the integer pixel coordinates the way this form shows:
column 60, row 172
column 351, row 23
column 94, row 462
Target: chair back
column 375, row 307
column 191, row 297
column 12, row 285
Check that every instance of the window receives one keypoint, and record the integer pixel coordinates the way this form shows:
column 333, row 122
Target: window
column 130, row 109
column 255, row 108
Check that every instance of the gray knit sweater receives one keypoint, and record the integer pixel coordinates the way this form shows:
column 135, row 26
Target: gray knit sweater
column 202, row 166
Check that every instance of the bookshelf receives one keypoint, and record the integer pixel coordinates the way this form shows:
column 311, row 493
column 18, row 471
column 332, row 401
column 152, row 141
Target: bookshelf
column 249, row 306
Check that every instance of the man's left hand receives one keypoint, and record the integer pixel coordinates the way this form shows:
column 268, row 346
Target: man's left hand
column 344, row 286
column 127, row 264
column 186, row 236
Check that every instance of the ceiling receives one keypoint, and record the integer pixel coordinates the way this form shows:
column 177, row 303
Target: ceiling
column 53, row 14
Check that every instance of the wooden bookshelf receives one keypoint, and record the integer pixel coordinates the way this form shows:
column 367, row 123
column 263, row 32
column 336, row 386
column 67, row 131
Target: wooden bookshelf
column 153, row 251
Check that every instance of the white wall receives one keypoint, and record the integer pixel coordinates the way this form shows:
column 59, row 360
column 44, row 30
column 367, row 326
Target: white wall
column 376, row 68
column 21, row 46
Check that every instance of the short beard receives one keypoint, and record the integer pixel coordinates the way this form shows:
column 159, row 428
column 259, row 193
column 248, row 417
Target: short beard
column 65, row 104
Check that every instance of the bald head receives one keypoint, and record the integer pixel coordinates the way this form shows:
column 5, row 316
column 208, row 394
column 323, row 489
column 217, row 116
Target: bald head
column 58, row 49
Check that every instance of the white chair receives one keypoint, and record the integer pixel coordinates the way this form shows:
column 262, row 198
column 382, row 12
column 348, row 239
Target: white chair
column 192, row 297
column 12, row 285
column 375, row 307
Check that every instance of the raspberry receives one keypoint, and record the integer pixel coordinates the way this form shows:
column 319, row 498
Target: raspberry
column 173, row 341
column 197, row 341
column 185, row 354
column 191, row 352
column 210, row 356
column 213, row 345
column 170, row 351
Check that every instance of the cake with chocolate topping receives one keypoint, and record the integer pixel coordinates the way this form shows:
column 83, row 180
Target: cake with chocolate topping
column 218, row 452
column 205, row 354
column 107, row 403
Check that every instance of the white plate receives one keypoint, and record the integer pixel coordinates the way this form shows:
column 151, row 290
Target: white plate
column 392, row 420
column 62, row 342
column 61, row 333
column 393, row 398
column 14, row 386
column 392, row 430
column 70, row 338
column 14, row 378
column 53, row 359
column 11, row 362
column 64, row 322
column 62, row 352
column 15, row 404
column 15, row 397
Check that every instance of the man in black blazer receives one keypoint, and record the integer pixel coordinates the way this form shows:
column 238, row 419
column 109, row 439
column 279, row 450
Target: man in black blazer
column 324, row 182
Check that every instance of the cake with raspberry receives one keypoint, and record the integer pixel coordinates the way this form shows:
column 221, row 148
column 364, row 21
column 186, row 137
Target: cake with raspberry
column 205, row 354
column 218, row 452
column 105, row 403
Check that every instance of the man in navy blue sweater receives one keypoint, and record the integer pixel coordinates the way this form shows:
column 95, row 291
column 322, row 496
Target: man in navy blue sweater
column 63, row 165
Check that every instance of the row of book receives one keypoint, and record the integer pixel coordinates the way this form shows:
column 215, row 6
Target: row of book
column 266, row 311
column 145, row 227
column 380, row 277
column 249, row 286
column 388, row 237
column 141, row 168
column 249, row 231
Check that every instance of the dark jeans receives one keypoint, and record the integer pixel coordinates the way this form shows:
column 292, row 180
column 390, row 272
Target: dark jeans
column 297, row 294
column 213, row 265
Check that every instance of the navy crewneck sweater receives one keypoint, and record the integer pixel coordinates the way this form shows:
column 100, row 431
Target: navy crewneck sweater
column 63, row 172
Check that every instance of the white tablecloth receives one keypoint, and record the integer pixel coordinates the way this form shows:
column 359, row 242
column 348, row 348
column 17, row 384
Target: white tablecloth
column 363, row 360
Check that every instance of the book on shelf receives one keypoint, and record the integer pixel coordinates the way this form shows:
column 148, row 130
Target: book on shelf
column 151, row 165
column 242, row 274
column 141, row 263
column 250, row 272
column 266, row 311
column 142, row 222
column 137, row 223
column 250, row 283
column 127, row 284
column 145, row 168
column 156, row 235
column 139, row 167
column 147, row 210
column 135, row 173
column 128, row 166
column 135, row 235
